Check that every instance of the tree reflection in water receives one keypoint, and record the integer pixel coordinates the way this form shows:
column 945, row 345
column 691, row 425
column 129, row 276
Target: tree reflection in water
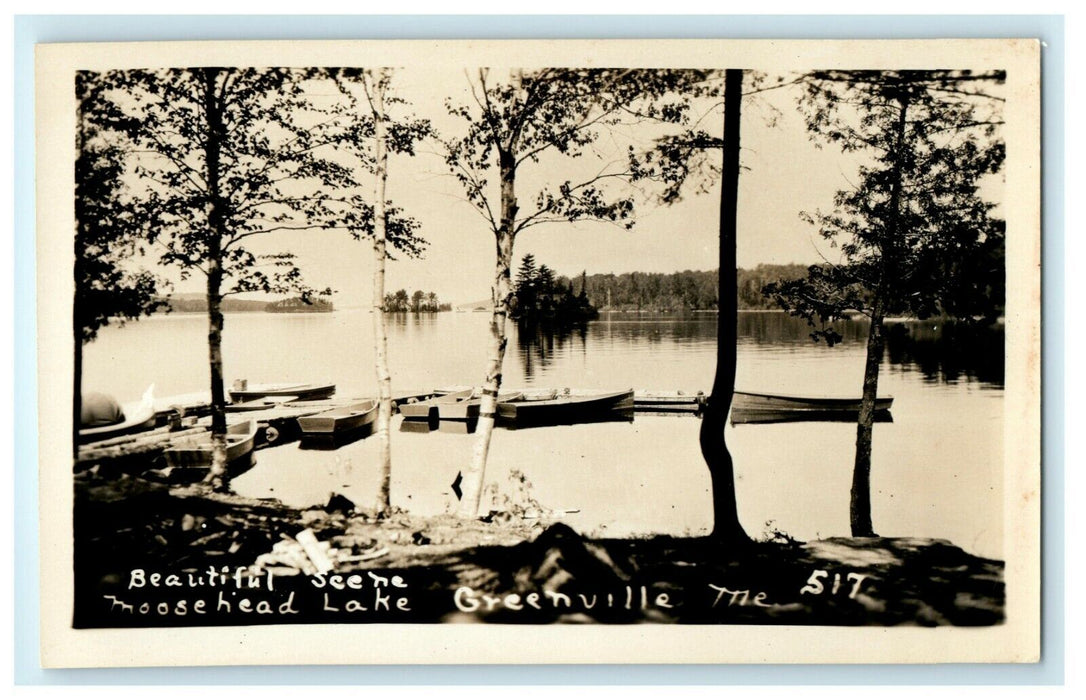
column 943, row 351
column 538, row 341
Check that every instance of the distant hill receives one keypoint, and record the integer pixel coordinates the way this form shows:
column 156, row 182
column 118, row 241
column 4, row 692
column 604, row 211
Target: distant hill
column 481, row 305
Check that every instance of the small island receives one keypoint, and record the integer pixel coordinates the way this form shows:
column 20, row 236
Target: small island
column 540, row 296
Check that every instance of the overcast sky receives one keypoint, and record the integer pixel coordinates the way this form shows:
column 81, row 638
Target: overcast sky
column 783, row 174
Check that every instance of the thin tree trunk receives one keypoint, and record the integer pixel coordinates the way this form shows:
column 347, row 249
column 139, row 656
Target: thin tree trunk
column 217, row 477
column 860, row 497
column 726, row 525
column 860, row 503
column 380, row 329
column 501, row 296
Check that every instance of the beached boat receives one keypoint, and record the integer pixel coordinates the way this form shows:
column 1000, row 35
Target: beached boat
column 339, row 420
column 426, row 410
column 569, row 408
column 469, row 408
column 195, row 451
column 750, row 407
column 243, row 391
column 135, row 416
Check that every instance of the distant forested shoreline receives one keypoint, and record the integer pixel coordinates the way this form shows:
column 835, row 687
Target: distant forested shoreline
column 196, row 302
column 689, row 290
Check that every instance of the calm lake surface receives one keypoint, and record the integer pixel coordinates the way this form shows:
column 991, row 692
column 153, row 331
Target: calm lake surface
column 937, row 468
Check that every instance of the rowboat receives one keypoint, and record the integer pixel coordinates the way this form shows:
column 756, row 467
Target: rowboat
column 339, row 420
column 750, row 407
column 264, row 404
column 570, row 408
column 195, row 451
column 243, row 391
column 425, row 410
column 468, row 409
column 136, row 416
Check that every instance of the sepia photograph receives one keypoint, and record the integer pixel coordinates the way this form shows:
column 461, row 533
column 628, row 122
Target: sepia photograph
column 680, row 351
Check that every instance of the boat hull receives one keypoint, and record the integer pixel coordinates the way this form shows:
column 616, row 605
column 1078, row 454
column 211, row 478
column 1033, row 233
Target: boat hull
column 566, row 409
column 750, row 407
column 295, row 392
column 428, row 410
column 339, row 420
column 195, row 452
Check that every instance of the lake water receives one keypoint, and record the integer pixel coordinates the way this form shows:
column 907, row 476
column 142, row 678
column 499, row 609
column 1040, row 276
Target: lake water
column 937, row 468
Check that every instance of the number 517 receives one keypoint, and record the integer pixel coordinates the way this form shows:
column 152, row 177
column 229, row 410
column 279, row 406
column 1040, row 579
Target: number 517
column 815, row 586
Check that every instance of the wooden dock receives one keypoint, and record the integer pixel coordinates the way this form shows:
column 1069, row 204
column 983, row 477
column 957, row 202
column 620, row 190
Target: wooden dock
column 668, row 402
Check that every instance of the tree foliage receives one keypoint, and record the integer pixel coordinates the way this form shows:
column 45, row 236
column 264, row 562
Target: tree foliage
column 109, row 284
column 915, row 231
column 275, row 168
column 555, row 111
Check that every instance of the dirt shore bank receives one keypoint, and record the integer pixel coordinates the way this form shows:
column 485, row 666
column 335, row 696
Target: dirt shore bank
column 258, row 562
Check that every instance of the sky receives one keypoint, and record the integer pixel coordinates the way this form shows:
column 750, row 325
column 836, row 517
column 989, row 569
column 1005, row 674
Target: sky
column 784, row 174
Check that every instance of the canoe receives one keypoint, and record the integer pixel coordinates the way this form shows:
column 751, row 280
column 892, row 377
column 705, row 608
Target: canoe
column 138, row 415
column 195, row 451
column 339, row 420
column 567, row 408
column 297, row 392
column 750, row 407
column 425, row 410
column 741, row 417
column 469, row 408
column 749, row 401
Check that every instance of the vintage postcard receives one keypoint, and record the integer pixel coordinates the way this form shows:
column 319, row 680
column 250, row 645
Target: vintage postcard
column 539, row 352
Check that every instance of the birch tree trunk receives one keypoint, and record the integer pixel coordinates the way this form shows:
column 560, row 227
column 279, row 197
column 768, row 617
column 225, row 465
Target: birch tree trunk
column 714, row 449
column 380, row 328
column 217, row 477
column 501, row 296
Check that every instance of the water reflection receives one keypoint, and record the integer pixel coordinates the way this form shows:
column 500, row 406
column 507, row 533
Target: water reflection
column 948, row 351
column 613, row 416
column 943, row 352
column 778, row 328
column 539, row 342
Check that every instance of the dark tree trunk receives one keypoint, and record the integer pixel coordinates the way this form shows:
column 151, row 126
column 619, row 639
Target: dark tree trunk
column 77, row 384
column 860, row 497
column 726, row 525
column 77, row 304
column 218, row 477
column 860, row 503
